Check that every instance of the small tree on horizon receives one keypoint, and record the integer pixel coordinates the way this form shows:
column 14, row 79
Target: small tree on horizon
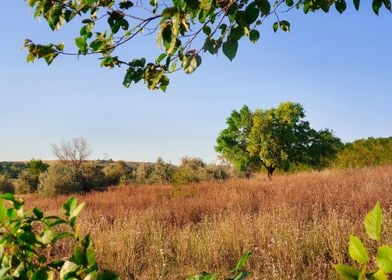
column 73, row 152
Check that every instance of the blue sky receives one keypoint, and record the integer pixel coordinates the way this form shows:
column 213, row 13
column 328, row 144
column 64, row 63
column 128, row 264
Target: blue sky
column 337, row 66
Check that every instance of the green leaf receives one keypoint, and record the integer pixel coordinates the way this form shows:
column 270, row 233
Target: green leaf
column 340, row 6
column 289, row 3
column 67, row 268
column 81, row 43
column 252, row 13
column 254, row 35
column 373, row 221
column 70, row 205
column 242, row 261
column 48, row 236
column 30, row 58
column 376, row 5
column 161, row 57
column 264, row 7
column 357, row 250
column 230, row 48
column 125, row 5
column 275, row 26
column 8, row 196
column 347, row 272
column 190, row 63
column 241, row 276
column 356, row 4
column 28, row 237
column 96, row 45
column 284, row 25
column 384, row 258
column 43, row 275
column 77, row 210
column 387, row 4
column 39, row 214
column 90, row 255
column 379, row 275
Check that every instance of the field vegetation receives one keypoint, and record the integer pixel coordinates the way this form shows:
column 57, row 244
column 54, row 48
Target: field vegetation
column 297, row 225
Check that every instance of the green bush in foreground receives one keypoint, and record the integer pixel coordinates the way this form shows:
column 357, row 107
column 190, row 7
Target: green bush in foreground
column 27, row 238
column 359, row 253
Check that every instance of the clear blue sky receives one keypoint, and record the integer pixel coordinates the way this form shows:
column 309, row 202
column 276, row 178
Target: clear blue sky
column 337, row 66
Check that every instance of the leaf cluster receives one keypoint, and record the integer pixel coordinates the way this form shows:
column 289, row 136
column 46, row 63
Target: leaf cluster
column 27, row 238
column 360, row 255
column 237, row 273
column 184, row 30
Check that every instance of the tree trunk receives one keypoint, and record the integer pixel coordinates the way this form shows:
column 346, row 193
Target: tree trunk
column 270, row 170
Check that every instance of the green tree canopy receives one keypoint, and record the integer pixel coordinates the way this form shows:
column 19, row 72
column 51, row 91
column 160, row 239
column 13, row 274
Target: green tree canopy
column 274, row 138
column 365, row 152
column 183, row 29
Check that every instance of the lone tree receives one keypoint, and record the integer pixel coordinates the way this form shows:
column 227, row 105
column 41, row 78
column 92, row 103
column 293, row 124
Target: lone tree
column 73, row 152
column 274, row 139
column 183, row 30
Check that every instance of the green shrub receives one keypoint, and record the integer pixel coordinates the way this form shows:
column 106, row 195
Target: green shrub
column 61, row 179
column 191, row 170
column 6, row 185
column 161, row 173
column 218, row 172
column 36, row 166
column 142, row 173
column 114, row 172
column 93, row 177
column 27, row 241
column 26, row 183
column 365, row 152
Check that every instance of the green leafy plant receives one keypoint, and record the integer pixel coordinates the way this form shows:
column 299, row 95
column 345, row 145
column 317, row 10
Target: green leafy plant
column 359, row 253
column 237, row 273
column 27, row 239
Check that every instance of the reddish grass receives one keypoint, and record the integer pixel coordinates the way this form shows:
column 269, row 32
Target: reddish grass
column 296, row 225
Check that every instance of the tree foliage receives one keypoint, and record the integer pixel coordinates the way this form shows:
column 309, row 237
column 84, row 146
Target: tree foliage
column 27, row 241
column 184, row 29
column 274, row 138
column 366, row 152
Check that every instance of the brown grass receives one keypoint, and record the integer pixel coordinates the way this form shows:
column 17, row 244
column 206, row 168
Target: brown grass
column 297, row 225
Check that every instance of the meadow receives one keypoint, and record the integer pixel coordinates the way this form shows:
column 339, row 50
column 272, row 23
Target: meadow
column 297, row 226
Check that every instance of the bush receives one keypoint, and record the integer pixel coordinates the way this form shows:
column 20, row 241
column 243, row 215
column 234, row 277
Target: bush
column 93, row 177
column 191, row 170
column 114, row 172
column 162, row 172
column 142, row 173
column 6, row 185
column 26, row 183
column 60, row 179
column 218, row 172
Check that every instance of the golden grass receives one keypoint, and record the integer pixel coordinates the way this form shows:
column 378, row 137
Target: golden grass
column 297, row 226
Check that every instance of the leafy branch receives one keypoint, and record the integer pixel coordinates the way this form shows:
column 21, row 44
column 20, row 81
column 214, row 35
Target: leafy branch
column 181, row 22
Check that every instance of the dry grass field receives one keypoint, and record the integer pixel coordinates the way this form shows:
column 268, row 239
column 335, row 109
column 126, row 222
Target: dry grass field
column 297, row 226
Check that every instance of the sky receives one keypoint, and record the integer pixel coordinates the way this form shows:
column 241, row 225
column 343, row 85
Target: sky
column 337, row 66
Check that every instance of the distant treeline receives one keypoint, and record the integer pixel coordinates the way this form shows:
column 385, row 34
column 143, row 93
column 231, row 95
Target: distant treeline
column 365, row 152
column 60, row 178
column 63, row 178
